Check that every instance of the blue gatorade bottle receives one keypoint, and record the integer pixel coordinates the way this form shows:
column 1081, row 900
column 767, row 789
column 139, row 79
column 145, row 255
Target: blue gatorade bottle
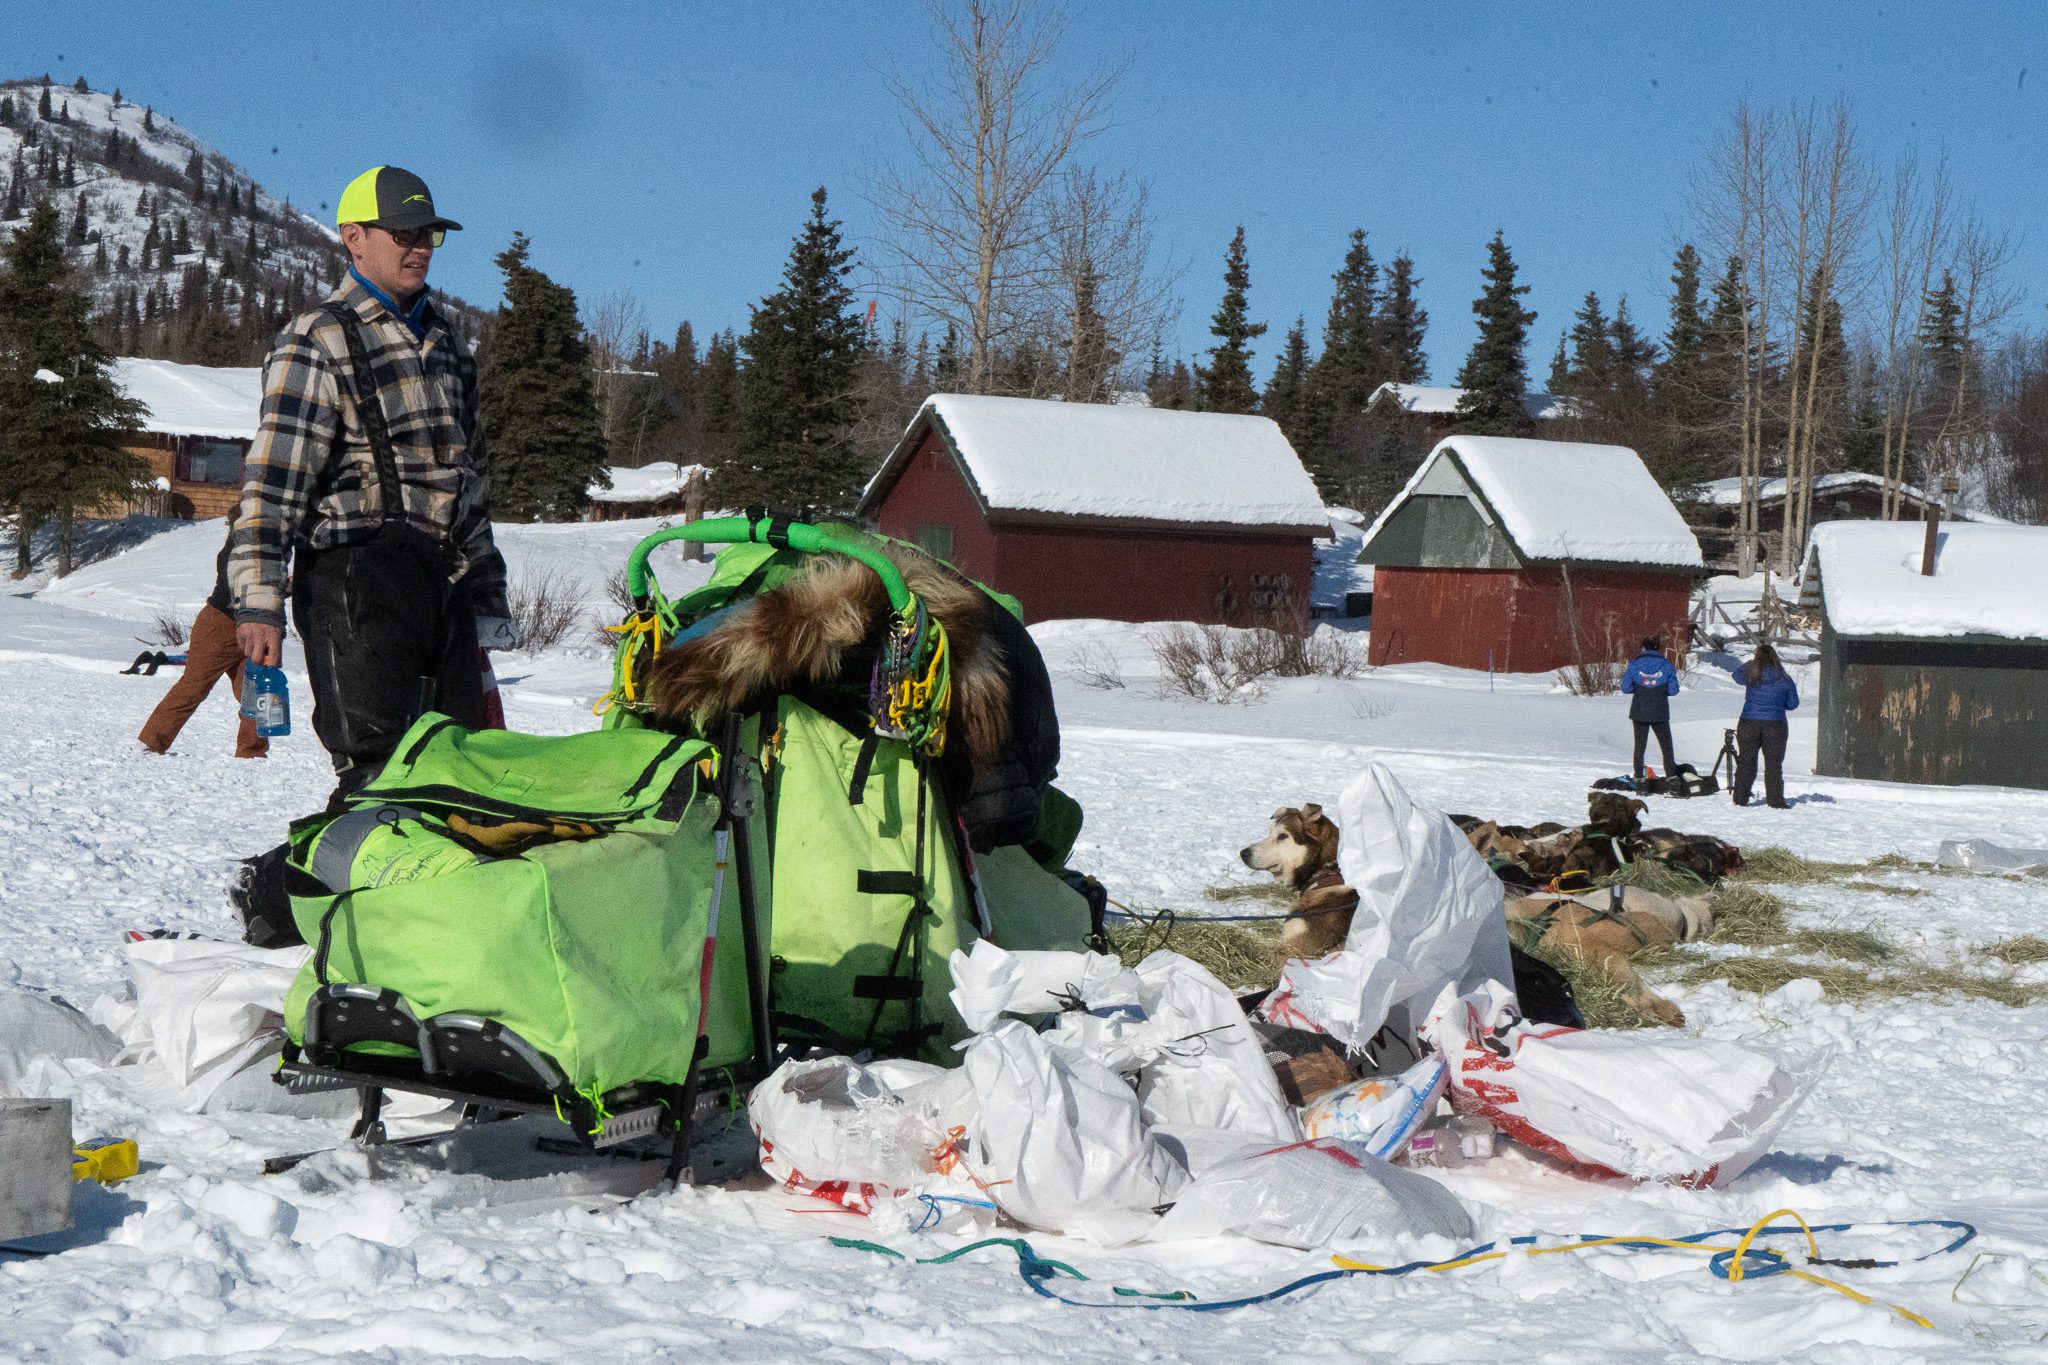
column 265, row 700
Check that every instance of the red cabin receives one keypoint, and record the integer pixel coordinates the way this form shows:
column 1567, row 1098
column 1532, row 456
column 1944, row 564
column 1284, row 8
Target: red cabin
column 1528, row 556
column 1121, row 512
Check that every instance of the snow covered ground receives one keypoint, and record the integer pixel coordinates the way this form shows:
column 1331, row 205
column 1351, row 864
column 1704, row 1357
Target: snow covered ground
column 1925, row 1109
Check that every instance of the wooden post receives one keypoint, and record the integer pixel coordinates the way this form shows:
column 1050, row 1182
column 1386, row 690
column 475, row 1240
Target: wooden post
column 1949, row 488
column 693, row 510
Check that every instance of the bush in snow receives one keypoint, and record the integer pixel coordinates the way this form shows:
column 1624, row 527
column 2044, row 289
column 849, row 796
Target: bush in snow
column 170, row 629
column 544, row 609
column 1225, row 663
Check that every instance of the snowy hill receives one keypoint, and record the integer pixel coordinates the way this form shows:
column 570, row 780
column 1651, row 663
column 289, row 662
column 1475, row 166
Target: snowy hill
column 163, row 227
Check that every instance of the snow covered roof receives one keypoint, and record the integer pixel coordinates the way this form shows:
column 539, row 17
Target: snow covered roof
column 1122, row 462
column 1987, row 579
column 1728, row 492
column 1426, row 398
column 194, row 400
column 662, row 479
column 1559, row 500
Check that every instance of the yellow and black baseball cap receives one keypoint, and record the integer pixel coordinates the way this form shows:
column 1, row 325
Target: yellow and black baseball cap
column 390, row 197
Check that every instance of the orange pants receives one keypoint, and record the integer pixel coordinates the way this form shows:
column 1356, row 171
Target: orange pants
column 210, row 655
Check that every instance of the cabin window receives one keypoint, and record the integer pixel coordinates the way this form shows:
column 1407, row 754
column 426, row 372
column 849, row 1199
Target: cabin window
column 936, row 541
column 217, row 462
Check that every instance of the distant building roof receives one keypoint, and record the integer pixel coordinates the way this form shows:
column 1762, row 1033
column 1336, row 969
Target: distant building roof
column 194, row 400
column 1728, row 492
column 1556, row 501
column 1116, row 461
column 648, row 483
column 1986, row 581
column 1431, row 400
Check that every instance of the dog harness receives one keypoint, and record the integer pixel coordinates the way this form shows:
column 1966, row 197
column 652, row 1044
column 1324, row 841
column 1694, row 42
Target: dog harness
column 1322, row 881
column 1614, row 911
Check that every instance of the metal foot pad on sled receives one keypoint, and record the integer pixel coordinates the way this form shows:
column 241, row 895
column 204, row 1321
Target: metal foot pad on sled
column 344, row 1014
column 475, row 1048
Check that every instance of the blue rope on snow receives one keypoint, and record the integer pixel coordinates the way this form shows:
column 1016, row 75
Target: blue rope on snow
column 1038, row 1272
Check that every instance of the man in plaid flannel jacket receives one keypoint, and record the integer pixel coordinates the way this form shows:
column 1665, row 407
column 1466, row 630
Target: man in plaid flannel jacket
column 368, row 479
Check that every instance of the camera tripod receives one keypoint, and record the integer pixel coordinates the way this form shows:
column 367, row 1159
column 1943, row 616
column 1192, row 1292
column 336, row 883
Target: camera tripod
column 1728, row 756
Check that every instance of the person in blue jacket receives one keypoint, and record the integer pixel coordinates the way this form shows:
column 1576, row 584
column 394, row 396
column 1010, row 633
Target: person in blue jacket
column 1763, row 725
column 1651, row 683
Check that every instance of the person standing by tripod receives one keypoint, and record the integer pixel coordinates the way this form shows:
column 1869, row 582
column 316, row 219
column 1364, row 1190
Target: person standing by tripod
column 1763, row 727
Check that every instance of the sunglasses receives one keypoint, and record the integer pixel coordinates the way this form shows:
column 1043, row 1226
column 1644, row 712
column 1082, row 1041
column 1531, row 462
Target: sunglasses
column 408, row 238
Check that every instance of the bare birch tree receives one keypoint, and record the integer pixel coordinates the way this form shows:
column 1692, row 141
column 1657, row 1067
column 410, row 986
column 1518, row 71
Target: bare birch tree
column 969, row 217
column 1912, row 239
column 1112, row 298
column 617, row 328
column 1831, row 197
column 1738, row 210
column 1963, row 438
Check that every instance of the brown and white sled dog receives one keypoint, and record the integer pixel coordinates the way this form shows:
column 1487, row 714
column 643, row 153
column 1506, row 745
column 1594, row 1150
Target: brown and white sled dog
column 1300, row 850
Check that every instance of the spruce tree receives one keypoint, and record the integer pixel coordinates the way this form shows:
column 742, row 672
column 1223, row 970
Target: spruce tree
column 1345, row 374
column 61, row 452
column 1170, row 386
column 148, row 118
column 718, row 397
column 946, row 362
column 921, row 367
column 1180, row 386
column 1494, row 377
column 1823, row 344
column 1560, row 366
column 1628, row 389
column 43, row 111
column 1091, row 358
column 1227, row 382
column 1942, row 342
column 793, row 446
column 1677, row 454
column 6, row 111
column 1402, row 323
column 78, row 223
column 1282, row 400
column 539, row 413
column 1591, row 373
column 1724, row 361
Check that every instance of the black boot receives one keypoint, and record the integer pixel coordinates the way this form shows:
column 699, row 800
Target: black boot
column 258, row 895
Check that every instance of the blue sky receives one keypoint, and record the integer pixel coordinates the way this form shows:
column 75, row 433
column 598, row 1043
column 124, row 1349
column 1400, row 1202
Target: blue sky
column 669, row 149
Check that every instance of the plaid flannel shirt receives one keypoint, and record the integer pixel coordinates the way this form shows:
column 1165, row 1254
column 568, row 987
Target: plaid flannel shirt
column 312, row 476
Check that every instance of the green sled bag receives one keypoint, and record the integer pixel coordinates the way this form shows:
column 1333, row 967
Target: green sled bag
column 560, row 886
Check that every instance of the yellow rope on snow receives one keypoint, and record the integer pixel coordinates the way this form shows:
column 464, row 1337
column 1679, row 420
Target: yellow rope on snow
column 1735, row 1264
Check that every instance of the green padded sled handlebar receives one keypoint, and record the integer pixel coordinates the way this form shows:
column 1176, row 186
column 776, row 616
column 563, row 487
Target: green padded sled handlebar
column 798, row 535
